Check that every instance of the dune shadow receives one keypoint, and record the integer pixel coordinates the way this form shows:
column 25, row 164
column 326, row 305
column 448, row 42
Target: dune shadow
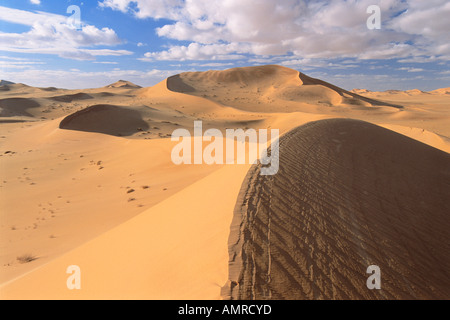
column 176, row 84
column 11, row 107
column 106, row 119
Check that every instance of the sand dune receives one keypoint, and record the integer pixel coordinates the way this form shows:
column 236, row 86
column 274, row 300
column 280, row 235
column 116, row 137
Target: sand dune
column 78, row 185
column 123, row 84
column 348, row 195
column 82, row 170
column 265, row 85
column 441, row 91
column 5, row 82
column 71, row 97
column 16, row 107
column 108, row 119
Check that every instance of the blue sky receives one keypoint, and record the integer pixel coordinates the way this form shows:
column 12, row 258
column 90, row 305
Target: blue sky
column 145, row 41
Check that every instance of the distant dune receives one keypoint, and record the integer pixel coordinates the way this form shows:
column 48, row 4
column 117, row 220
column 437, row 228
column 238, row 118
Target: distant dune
column 123, row 85
column 16, row 107
column 406, row 92
column 71, row 97
column 348, row 195
column 441, row 91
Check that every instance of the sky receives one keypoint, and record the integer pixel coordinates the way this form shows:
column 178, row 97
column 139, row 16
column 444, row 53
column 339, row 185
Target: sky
column 91, row 43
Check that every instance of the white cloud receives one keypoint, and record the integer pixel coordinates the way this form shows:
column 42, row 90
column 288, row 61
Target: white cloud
column 52, row 34
column 35, row 1
column 307, row 29
column 13, row 58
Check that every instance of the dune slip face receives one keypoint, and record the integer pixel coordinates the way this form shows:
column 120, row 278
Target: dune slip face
column 348, row 194
column 78, row 163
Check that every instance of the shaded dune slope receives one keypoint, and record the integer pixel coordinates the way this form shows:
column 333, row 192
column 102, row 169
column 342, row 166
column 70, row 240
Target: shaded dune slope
column 10, row 107
column 349, row 97
column 265, row 84
column 348, row 195
column 107, row 119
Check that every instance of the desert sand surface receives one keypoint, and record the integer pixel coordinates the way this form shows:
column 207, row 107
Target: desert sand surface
column 87, row 179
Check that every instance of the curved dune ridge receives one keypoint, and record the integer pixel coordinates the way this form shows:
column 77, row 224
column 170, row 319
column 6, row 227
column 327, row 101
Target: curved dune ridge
column 10, row 107
column 266, row 84
column 348, row 96
column 107, row 119
column 348, row 194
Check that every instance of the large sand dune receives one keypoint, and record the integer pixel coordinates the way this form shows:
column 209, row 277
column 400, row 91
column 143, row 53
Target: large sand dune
column 348, row 195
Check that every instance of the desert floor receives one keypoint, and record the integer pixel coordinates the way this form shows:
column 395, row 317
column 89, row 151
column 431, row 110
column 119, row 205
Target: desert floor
column 87, row 179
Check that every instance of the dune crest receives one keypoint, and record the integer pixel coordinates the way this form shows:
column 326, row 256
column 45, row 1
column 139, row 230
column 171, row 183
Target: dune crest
column 267, row 85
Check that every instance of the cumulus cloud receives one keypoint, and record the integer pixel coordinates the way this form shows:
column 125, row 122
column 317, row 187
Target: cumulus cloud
column 307, row 29
column 52, row 34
